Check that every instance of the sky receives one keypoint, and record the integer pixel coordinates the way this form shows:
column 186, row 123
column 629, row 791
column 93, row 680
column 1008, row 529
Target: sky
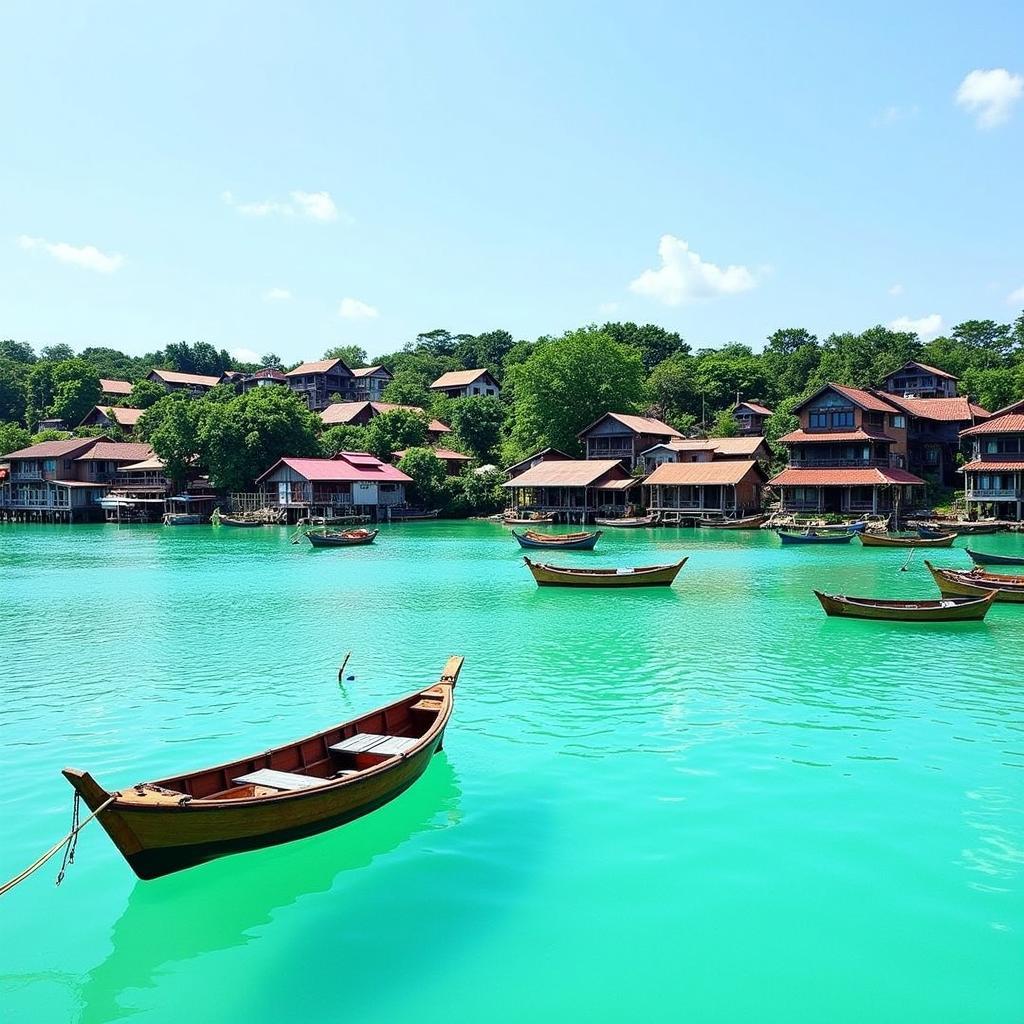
column 287, row 177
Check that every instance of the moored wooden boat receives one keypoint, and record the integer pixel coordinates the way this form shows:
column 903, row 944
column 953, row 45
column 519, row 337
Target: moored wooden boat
column 943, row 528
column 627, row 522
column 409, row 514
column 182, row 519
column 576, row 541
column 813, row 537
column 238, row 521
column 641, row 576
column 977, row 582
column 747, row 523
column 288, row 792
column 858, row 526
column 987, row 558
column 325, row 538
column 891, row 540
column 954, row 609
column 527, row 520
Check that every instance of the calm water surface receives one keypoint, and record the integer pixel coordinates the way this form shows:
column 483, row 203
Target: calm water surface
column 706, row 804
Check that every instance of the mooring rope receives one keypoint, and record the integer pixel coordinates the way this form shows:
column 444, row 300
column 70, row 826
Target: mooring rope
column 69, row 842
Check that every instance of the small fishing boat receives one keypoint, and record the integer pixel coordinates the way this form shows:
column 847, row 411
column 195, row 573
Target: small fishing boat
column 238, row 521
column 626, row 522
column 527, row 520
column 813, row 537
column 858, row 526
column 987, row 558
column 409, row 514
column 959, row 526
column 641, row 576
column 895, row 540
column 325, row 538
column 953, row 609
column 748, row 523
column 978, row 582
column 182, row 519
column 931, row 533
column 577, row 541
column 300, row 789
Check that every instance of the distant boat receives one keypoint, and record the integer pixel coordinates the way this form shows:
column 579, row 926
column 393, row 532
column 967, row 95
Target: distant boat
column 578, row 541
column 965, row 527
column 642, row 576
column 407, row 514
column 627, row 522
column 977, row 583
column 238, row 521
column 812, row 537
column 852, row 527
column 955, row 609
column 182, row 519
column 748, row 523
column 325, row 538
column 890, row 540
column 284, row 793
column 987, row 558
column 527, row 520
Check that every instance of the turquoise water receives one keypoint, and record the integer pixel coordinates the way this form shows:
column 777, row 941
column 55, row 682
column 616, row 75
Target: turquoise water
column 706, row 804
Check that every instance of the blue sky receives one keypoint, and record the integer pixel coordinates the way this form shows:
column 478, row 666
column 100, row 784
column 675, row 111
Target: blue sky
column 236, row 172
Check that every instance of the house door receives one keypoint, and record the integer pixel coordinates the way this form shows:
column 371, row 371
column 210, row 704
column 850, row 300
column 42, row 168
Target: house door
column 831, row 499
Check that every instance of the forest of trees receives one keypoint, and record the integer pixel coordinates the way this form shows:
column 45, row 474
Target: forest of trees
column 552, row 387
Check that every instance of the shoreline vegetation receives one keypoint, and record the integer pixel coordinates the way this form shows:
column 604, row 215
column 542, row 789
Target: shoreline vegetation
column 550, row 389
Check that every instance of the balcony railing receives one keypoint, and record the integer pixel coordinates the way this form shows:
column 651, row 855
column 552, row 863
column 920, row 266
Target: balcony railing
column 840, row 464
column 995, row 492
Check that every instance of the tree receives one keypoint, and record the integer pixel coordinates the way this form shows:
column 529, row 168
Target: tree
column 272, row 361
column 568, row 383
column 475, row 493
column 725, row 425
column 861, row 360
column 13, row 380
column 343, row 437
column 395, row 431
column 437, row 342
column 13, row 437
column 790, row 360
column 145, row 394
column 722, row 374
column 351, row 355
column 248, row 434
column 428, row 476
column 17, row 351
column 76, row 390
column 171, row 426
column 49, row 434
column 201, row 358
column 673, row 389
column 407, row 388
column 57, row 353
column 654, row 343
column 484, row 350
column 781, row 422
column 478, row 422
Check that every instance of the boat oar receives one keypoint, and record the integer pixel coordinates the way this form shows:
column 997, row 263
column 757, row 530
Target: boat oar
column 341, row 667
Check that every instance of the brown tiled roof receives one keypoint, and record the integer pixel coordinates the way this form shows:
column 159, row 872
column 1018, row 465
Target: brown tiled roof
column 943, row 410
column 121, row 414
column 704, row 472
column 761, row 410
column 346, row 412
column 117, row 451
column 981, row 466
column 556, row 453
column 843, row 477
column 865, row 399
column 1007, row 423
column 198, row 379
column 638, row 424
column 55, row 449
column 570, row 473
column 320, row 366
column 458, row 378
column 153, row 463
column 737, row 445
column 115, row 387
column 368, row 371
column 923, row 366
column 979, row 413
column 800, row 436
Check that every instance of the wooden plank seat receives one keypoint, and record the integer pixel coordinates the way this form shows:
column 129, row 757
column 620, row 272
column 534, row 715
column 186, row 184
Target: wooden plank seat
column 272, row 779
column 371, row 743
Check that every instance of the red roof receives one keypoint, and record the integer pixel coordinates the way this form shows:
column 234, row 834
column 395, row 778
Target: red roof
column 115, row 387
column 55, row 449
column 864, row 399
column 1007, row 423
column 346, row 412
column 320, row 366
column 637, row 424
column 944, row 410
column 795, row 436
column 843, row 477
column 121, row 414
column 981, row 465
column 117, row 451
column 923, row 366
column 345, row 467
column 197, row 379
column 460, row 378
column 761, row 410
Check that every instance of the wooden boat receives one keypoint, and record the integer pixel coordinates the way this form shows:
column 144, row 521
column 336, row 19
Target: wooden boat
column 954, row 609
column 627, row 522
column 285, row 793
column 987, row 558
column 577, row 541
column 237, row 521
column 182, row 519
column 891, row 540
column 964, row 527
column 930, row 533
column 325, row 538
column 978, row 582
column 813, row 537
column 748, row 523
column 408, row 514
column 527, row 520
column 641, row 576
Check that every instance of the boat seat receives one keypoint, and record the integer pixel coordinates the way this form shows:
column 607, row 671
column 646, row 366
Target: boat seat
column 428, row 704
column 371, row 743
column 286, row 781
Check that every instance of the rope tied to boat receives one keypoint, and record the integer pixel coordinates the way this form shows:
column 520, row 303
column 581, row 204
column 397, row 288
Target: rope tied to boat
column 68, row 844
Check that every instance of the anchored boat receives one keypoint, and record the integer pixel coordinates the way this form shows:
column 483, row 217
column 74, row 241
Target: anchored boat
column 325, row 538
column 977, row 582
column 308, row 786
column 813, row 537
column 627, row 522
column 987, row 558
column 577, row 541
column 748, row 523
column 955, row 609
column 642, row 576
column 892, row 540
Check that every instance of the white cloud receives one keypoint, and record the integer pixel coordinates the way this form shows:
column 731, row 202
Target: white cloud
column 923, row 327
column 311, row 205
column 896, row 289
column 1016, row 297
column 86, row 256
column 684, row 277
column 246, row 355
column 277, row 295
column 353, row 309
column 990, row 94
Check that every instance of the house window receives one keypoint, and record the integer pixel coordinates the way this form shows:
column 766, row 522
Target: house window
column 931, row 455
column 899, row 422
column 843, row 418
column 49, row 465
column 818, row 419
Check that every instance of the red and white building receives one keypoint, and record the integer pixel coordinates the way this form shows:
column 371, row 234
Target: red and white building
column 994, row 477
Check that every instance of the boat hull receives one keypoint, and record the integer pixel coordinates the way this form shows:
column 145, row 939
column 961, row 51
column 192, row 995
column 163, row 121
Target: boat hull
column 965, row 609
column 970, row 584
column 880, row 540
column 985, row 558
column 627, row 524
column 750, row 523
column 815, row 538
column 584, row 542
column 321, row 540
column 643, row 576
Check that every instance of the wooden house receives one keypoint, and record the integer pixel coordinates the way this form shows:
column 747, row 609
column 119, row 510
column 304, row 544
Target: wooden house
column 370, row 381
column 359, row 414
column 320, row 381
column 575, row 490
column 849, row 455
column 111, row 416
column 544, row 455
column 717, row 488
column 621, row 436
column 267, row 377
column 352, row 483
column 100, row 463
column 467, row 383
column 114, row 390
column 918, row 380
column 751, row 417
column 994, row 477
column 454, row 462
column 194, row 383
column 44, row 483
column 707, row 450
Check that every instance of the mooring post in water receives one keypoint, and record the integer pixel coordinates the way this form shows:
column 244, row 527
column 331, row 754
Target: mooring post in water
column 341, row 667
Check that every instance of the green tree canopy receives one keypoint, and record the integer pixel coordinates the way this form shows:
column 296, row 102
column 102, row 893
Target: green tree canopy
column 407, row 388
column 429, row 477
column 725, row 425
column 395, row 431
column 478, row 422
column 172, row 427
column 343, row 437
column 13, row 437
column 146, row 393
column 654, row 343
column 351, row 355
column 16, row 351
column 76, row 390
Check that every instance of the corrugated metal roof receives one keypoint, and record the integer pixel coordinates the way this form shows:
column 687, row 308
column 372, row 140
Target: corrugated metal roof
column 568, row 473
column 341, row 470
column 115, row 387
column 346, row 412
column 638, row 424
column 320, row 366
column 724, row 472
column 761, row 410
column 458, row 378
column 198, row 379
